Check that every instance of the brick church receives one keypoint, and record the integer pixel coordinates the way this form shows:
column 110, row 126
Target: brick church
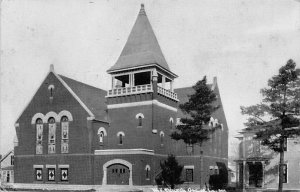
column 73, row 133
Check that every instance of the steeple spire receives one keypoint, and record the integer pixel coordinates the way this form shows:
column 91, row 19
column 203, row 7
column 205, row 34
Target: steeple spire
column 142, row 10
column 142, row 48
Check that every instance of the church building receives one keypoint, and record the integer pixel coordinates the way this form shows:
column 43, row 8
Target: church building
column 74, row 133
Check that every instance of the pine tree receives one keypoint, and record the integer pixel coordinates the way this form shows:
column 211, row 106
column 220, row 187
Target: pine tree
column 171, row 172
column 276, row 118
column 198, row 110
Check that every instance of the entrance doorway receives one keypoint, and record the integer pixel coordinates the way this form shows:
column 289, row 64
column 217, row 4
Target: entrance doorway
column 255, row 174
column 118, row 174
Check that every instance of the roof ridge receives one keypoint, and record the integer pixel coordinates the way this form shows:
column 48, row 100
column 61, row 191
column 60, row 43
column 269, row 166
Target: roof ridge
column 81, row 82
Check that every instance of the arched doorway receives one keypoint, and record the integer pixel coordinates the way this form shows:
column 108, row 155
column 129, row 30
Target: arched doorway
column 117, row 172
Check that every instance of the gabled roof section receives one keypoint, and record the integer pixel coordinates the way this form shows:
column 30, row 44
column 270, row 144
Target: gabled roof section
column 92, row 97
column 141, row 48
column 6, row 155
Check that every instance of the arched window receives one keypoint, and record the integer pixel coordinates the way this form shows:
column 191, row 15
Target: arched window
column 121, row 137
column 162, row 135
column 171, row 122
column 51, row 135
column 39, row 136
column 101, row 136
column 140, row 121
column 101, row 133
column 64, row 134
column 51, row 89
column 140, row 118
column 147, row 169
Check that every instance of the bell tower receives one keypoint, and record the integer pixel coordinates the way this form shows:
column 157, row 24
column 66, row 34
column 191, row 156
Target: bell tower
column 141, row 67
column 141, row 100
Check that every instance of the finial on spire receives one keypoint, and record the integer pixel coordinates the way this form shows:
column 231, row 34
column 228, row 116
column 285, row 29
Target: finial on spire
column 142, row 10
column 51, row 68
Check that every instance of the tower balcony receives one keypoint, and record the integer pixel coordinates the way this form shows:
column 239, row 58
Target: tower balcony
column 122, row 91
column 148, row 88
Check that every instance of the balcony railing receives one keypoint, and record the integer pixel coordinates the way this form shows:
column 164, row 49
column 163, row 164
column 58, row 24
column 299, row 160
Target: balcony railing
column 167, row 93
column 130, row 90
column 140, row 89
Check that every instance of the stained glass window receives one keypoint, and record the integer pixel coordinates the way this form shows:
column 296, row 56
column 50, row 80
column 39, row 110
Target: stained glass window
column 64, row 172
column 64, row 134
column 38, row 174
column 51, row 135
column 39, row 136
column 51, row 174
column 189, row 175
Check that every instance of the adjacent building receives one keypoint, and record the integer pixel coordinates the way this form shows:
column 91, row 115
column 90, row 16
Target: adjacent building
column 73, row 133
column 258, row 166
column 7, row 168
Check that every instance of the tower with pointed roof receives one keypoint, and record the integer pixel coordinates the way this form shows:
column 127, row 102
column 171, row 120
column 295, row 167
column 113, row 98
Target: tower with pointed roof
column 141, row 67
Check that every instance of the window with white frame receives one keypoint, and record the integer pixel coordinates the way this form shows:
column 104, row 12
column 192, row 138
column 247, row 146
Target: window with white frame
column 39, row 136
column 64, row 174
column 51, row 135
column 101, row 133
column 64, row 134
column 171, row 122
column 51, row 174
column 121, row 136
column 38, row 174
column 140, row 118
column 147, row 169
column 162, row 135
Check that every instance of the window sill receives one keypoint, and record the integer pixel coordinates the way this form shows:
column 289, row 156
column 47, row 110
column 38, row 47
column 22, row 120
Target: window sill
column 139, row 127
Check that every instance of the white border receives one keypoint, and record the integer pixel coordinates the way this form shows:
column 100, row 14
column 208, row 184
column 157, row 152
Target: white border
column 65, row 113
column 141, row 103
column 103, row 130
column 38, row 166
column 124, row 152
column 189, row 167
column 63, row 166
column 139, row 115
column 50, row 166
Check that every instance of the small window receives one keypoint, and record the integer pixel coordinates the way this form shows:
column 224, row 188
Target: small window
column 147, row 173
column 285, row 173
column 189, row 175
column 39, row 136
column 38, row 174
column 51, row 174
column 12, row 160
column 140, row 121
column 8, row 177
column 162, row 135
column 51, row 135
column 51, row 89
column 171, row 123
column 101, row 136
column 64, row 174
column 120, row 139
column 64, row 134
column 121, row 135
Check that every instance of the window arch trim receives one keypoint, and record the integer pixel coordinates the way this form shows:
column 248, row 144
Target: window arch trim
column 51, row 114
column 120, row 133
column 147, row 167
column 102, row 129
column 65, row 113
column 139, row 115
column 36, row 117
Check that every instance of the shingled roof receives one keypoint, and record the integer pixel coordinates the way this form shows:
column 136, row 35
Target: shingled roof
column 92, row 97
column 141, row 48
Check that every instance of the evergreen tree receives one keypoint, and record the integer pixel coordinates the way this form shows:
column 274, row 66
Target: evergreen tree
column 198, row 112
column 276, row 118
column 171, row 172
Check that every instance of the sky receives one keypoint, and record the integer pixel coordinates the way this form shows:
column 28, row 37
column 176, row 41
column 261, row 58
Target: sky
column 241, row 42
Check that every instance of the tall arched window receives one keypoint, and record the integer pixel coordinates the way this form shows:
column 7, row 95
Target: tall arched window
column 64, row 134
column 171, row 122
column 39, row 136
column 162, row 135
column 101, row 133
column 121, row 137
column 51, row 135
column 147, row 169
